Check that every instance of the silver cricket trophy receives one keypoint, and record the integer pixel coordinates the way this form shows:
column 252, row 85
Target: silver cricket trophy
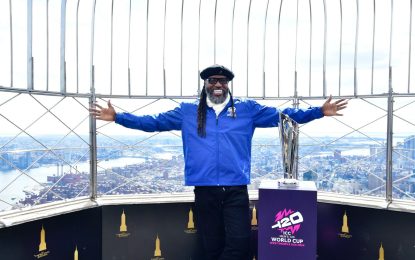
column 288, row 129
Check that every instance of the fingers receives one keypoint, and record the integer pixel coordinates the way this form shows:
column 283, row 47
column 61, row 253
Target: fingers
column 102, row 113
column 100, row 107
column 94, row 110
column 339, row 104
column 340, row 101
column 341, row 107
column 95, row 114
column 97, row 105
column 328, row 100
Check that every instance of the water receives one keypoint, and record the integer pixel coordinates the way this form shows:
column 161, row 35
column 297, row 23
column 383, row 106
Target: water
column 356, row 152
column 31, row 181
column 165, row 156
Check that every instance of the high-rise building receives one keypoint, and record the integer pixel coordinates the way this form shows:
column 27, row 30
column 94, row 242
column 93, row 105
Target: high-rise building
column 166, row 175
column 5, row 161
column 337, row 155
column 310, row 176
column 376, row 179
column 409, row 146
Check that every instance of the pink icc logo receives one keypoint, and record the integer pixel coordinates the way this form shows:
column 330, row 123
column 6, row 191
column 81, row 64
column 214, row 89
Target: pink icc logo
column 288, row 220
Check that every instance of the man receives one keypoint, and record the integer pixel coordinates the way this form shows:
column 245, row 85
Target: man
column 217, row 135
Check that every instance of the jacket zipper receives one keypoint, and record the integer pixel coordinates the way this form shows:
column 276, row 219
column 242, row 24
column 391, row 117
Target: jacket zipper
column 217, row 143
column 217, row 149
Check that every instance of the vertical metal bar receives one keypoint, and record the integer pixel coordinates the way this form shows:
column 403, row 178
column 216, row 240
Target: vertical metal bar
column 233, row 25
column 295, row 84
column 62, row 48
column 263, row 52
column 296, row 102
column 389, row 137
column 93, row 148
column 390, row 39
column 164, row 48
column 129, row 48
column 389, row 141
column 164, row 82
column 410, row 47
column 325, row 50
column 92, row 121
column 198, row 50
column 47, row 45
column 373, row 45
column 247, row 49
column 181, row 51
column 29, row 45
column 311, row 44
column 295, row 53
column 77, row 47
column 278, row 63
column 92, row 68
column 147, row 48
column 112, row 43
column 341, row 46
column 214, row 33
column 11, row 42
column 355, row 48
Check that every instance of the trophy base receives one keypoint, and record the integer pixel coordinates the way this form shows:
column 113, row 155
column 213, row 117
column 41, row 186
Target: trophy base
column 288, row 183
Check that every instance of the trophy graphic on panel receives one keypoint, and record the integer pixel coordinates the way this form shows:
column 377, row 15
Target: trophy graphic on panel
column 254, row 220
column 42, row 245
column 381, row 252
column 288, row 130
column 345, row 227
column 75, row 254
column 157, row 251
column 190, row 223
column 190, row 227
column 123, row 227
column 345, row 233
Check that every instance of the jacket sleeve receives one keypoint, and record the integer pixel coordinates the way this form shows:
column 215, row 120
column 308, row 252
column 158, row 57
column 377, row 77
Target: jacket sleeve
column 265, row 116
column 302, row 116
column 170, row 120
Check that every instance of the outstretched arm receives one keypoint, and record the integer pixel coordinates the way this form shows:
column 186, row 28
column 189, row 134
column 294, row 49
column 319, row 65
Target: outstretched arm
column 331, row 109
column 170, row 120
column 102, row 113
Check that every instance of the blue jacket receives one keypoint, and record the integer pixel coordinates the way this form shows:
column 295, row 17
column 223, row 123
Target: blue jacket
column 223, row 157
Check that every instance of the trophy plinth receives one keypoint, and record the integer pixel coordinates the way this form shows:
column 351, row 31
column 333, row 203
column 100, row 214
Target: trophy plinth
column 288, row 182
column 288, row 129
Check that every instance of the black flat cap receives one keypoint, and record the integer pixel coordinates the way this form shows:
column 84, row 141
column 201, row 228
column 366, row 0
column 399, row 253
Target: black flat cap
column 216, row 70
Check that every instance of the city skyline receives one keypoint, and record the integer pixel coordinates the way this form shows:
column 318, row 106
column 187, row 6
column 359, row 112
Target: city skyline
column 347, row 166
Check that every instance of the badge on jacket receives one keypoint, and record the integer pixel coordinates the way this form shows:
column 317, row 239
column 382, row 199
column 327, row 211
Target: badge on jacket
column 230, row 112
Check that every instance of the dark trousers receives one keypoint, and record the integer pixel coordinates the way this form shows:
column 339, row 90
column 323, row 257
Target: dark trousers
column 223, row 220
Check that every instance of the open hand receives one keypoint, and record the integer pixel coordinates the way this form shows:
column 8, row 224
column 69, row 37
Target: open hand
column 331, row 109
column 102, row 113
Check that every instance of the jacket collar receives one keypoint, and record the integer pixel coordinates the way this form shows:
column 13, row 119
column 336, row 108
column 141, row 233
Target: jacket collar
column 218, row 107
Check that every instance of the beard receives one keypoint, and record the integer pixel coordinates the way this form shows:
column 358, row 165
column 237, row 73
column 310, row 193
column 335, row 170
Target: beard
column 217, row 99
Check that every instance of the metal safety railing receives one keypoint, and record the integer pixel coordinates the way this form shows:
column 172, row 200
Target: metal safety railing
column 296, row 25
column 296, row 51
